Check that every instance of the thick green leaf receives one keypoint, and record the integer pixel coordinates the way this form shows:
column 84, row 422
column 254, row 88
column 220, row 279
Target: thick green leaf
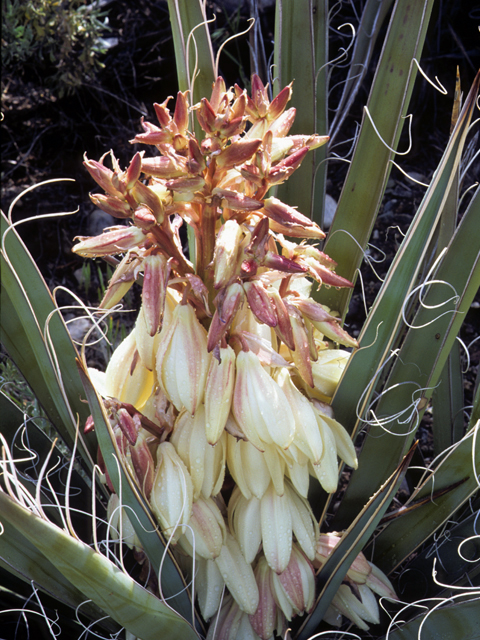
column 454, row 621
column 193, row 48
column 406, row 533
column 301, row 50
column 27, row 310
column 382, row 325
column 115, row 592
column 371, row 23
column 21, row 558
column 173, row 584
column 453, row 555
column 368, row 173
column 420, row 363
column 448, row 403
column 352, row 543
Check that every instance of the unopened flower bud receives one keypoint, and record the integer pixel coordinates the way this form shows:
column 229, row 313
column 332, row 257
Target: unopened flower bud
column 227, row 246
column 117, row 240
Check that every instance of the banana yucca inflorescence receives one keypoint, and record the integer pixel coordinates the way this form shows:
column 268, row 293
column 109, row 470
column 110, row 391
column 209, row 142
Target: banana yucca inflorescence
column 231, row 365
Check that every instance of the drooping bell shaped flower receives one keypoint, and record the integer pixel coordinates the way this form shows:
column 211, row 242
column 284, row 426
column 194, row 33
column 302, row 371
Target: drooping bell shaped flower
column 183, row 359
column 172, row 493
column 260, row 406
column 219, row 393
column 206, row 463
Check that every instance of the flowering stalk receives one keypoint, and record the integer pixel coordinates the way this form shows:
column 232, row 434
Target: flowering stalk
column 231, row 359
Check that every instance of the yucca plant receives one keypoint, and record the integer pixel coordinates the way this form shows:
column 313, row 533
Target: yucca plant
column 209, row 446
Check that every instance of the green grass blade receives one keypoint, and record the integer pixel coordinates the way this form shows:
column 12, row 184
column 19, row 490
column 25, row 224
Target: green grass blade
column 368, row 173
column 173, row 584
column 406, row 533
column 115, row 592
column 352, row 543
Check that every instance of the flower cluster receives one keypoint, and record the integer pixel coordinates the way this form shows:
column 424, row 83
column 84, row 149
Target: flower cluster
column 231, row 366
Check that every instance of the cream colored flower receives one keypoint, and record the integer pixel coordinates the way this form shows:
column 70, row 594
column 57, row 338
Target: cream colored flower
column 172, row 494
column 183, row 360
column 260, row 406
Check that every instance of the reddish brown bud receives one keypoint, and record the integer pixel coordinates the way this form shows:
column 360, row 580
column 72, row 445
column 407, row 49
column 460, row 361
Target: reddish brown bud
column 238, row 152
column 260, row 303
column 112, row 205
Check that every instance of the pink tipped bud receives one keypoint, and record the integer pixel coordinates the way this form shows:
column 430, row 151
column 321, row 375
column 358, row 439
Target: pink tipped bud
column 156, row 272
column 180, row 116
column 260, row 303
column 325, row 275
column 123, row 278
column 279, row 103
column 218, row 92
column 296, row 584
column 144, row 218
column 284, row 328
column 286, row 219
column 134, row 170
column 301, row 354
column 118, row 240
column 264, row 619
column 259, row 101
column 280, row 263
column 144, row 195
column 163, row 113
column 228, row 301
column 282, row 125
column 143, row 464
column 127, row 425
column 238, row 152
column 112, row 205
column 227, row 246
column 236, row 201
column 206, row 116
column 164, row 167
column 102, row 176
column 196, row 163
